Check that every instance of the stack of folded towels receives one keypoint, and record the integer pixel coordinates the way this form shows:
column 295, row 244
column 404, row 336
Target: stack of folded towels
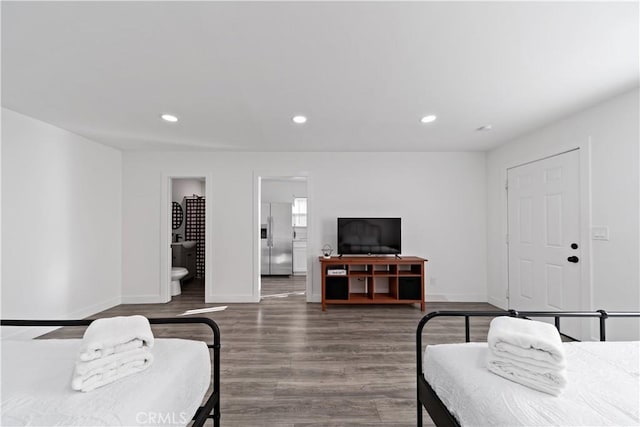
column 112, row 348
column 527, row 352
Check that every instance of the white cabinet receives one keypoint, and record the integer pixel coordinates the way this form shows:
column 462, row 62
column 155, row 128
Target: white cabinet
column 299, row 257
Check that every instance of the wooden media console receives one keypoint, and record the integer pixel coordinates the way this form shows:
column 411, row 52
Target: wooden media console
column 372, row 280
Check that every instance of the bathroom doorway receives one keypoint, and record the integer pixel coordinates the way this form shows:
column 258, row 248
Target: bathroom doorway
column 282, row 238
column 188, row 242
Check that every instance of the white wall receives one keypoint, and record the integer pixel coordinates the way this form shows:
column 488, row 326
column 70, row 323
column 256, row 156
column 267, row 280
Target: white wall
column 61, row 222
column 610, row 132
column 183, row 187
column 282, row 191
column 440, row 197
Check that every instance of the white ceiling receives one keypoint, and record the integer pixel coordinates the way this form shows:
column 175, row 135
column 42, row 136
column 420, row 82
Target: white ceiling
column 363, row 72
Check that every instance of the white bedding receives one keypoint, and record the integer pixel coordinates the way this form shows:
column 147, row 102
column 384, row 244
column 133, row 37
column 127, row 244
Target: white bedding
column 603, row 387
column 36, row 386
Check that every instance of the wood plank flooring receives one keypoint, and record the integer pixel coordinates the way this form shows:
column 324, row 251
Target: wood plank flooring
column 286, row 363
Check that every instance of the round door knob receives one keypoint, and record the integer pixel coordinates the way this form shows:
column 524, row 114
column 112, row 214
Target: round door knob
column 573, row 259
column 574, row 246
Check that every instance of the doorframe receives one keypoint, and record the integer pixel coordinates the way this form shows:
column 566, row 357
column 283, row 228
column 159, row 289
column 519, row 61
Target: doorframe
column 258, row 176
column 588, row 328
column 165, row 233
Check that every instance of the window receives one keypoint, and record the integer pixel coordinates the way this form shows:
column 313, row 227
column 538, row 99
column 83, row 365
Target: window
column 299, row 212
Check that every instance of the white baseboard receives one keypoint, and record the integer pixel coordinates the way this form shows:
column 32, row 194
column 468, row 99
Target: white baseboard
column 315, row 298
column 456, row 298
column 435, row 298
column 143, row 299
column 230, row 299
column 500, row 303
column 30, row 332
column 95, row 308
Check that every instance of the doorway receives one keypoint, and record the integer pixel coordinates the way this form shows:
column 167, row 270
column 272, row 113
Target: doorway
column 185, row 240
column 282, row 238
column 544, row 237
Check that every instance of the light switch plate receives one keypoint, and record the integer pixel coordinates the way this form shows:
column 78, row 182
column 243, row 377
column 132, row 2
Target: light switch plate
column 600, row 233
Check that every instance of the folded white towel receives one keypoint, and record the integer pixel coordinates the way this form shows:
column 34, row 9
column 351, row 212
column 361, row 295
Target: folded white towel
column 525, row 340
column 115, row 360
column 551, row 381
column 112, row 335
column 98, row 372
column 527, row 352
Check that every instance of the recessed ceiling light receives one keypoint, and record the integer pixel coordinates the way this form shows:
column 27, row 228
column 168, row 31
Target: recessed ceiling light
column 484, row 128
column 169, row 118
column 299, row 119
column 428, row 119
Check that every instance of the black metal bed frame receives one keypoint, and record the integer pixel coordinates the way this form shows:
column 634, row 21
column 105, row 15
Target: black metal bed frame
column 428, row 398
column 211, row 408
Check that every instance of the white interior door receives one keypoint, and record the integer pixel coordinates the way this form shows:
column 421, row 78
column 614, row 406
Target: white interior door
column 544, row 237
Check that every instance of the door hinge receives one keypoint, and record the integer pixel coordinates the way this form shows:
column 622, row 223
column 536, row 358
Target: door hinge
column 507, row 295
column 506, row 185
column 506, row 238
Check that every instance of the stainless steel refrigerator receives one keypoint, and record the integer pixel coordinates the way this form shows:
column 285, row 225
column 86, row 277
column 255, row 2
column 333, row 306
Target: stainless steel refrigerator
column 276, row 238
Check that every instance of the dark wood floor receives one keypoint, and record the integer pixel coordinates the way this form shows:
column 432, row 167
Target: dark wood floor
column 287, row 363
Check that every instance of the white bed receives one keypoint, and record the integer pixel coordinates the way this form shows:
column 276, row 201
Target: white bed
column 603, row 387
column 36, row 386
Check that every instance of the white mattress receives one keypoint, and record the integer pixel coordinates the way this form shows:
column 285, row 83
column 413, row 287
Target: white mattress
column 603, row 387
column 36, row 386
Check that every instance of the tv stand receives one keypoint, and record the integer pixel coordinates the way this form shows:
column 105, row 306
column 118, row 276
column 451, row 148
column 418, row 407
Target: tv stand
column 372, row 280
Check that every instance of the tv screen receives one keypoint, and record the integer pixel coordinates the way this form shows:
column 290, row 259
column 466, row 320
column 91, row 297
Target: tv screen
column 369, row 236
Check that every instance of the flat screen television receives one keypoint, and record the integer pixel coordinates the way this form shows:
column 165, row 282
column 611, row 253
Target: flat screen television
column 369, row 236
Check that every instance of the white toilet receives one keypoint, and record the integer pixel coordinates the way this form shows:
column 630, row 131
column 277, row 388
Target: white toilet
column 177, row 273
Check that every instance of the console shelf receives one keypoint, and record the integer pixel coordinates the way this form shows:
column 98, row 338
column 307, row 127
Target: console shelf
column 373, row 280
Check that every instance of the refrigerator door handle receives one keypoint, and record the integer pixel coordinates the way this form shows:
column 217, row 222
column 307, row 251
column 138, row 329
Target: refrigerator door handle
column 270, row 231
